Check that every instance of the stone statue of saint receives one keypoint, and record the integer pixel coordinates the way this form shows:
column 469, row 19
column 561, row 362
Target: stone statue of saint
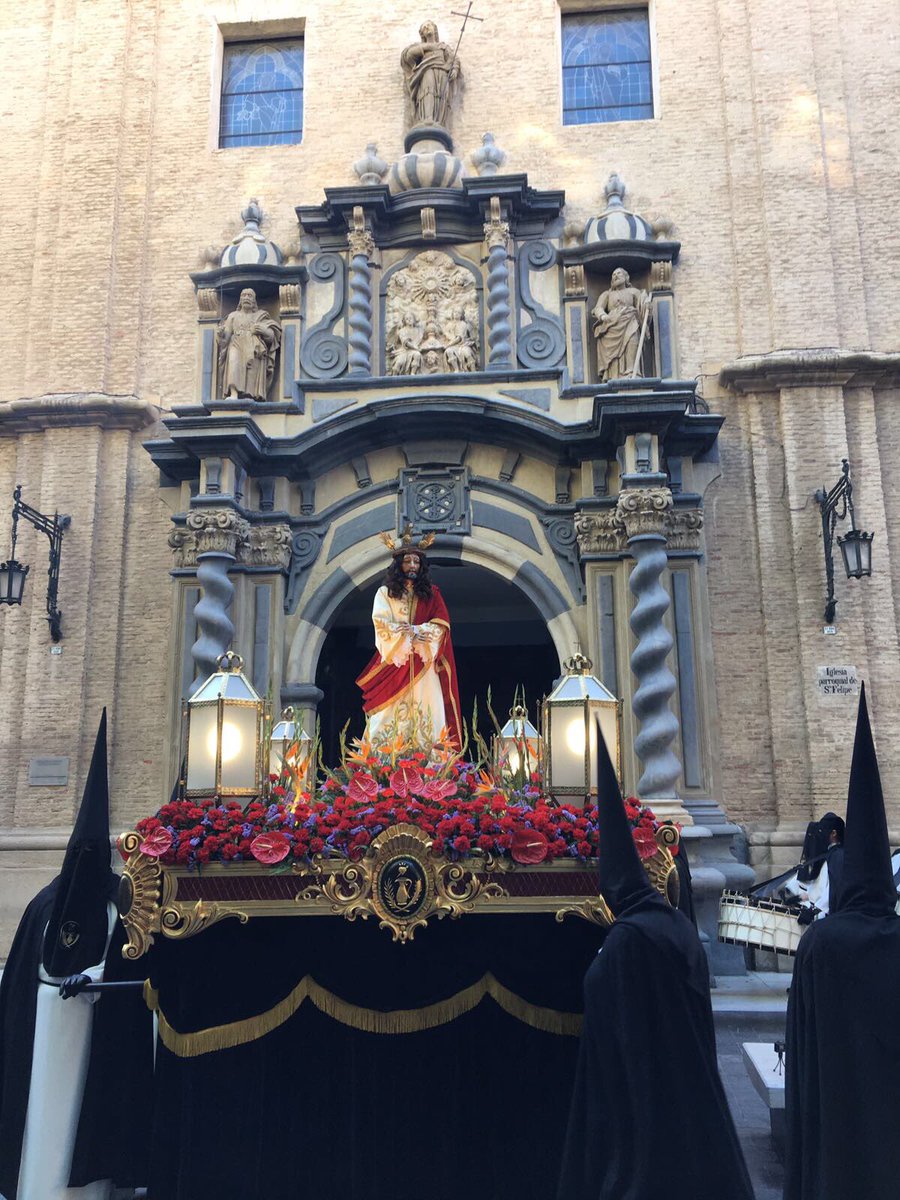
column 431, row 71
column 460, row 349
column 619, row 317
column 248, row 341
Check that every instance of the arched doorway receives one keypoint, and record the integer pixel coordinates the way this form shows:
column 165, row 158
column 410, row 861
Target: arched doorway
column 500, row 641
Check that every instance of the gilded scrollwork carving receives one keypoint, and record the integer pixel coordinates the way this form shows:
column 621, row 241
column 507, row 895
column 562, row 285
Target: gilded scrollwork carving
column 184, row 922
column 140, row 896
column 431, row 318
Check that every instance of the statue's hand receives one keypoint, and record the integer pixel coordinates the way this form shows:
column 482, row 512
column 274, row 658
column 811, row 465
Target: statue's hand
column 73, row 984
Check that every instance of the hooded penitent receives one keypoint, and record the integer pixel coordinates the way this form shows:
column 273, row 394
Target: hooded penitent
column 649, row 1116
column 76, row 901
column 843, row 1038
column 78, row 928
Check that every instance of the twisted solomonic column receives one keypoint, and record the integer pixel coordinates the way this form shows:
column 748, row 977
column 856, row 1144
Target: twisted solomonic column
column 362, row 247
column 645, row 514
column 499, row 311
column 218, row 532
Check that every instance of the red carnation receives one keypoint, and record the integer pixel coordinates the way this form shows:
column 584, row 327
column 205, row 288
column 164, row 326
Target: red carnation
column 462, row 845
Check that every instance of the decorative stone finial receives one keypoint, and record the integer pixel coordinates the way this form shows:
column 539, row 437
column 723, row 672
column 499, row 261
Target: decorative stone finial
column 488, row 157
column 251, row 247
column 252, row 216
column 370, row 169
column 614, row 192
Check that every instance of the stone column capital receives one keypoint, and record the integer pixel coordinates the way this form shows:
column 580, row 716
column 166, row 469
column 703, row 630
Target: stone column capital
column 217, row 530
column 645, row 511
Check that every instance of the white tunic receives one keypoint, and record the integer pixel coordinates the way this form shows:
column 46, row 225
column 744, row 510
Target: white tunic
column 416, row 713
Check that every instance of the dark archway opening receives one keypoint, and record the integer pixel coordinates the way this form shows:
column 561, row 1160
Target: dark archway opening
column 500, row 641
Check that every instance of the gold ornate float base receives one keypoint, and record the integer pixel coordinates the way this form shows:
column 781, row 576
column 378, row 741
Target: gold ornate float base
column 398, row 880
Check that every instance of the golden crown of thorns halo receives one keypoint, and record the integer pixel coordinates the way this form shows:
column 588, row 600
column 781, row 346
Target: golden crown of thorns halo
column 406, row 543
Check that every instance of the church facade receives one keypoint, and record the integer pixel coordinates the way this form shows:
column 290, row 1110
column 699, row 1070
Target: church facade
column 278, row 292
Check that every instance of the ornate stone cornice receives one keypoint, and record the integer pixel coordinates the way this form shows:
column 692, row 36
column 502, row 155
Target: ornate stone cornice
column 600, row 532
column 267, row 546
column 645, row 511
column 604, row 531
column 251, row 545
column 68, row 410
column 217, row 530
column 810, row 368
column 684, row 529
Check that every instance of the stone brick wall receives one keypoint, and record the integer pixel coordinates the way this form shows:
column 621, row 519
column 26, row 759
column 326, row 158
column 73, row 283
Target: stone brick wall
column 775, row 156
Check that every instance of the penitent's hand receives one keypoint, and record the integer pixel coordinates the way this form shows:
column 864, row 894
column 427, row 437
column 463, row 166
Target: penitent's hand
column 72, row 985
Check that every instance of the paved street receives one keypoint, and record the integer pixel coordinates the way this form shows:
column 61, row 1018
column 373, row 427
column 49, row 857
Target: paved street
column 752, row 1012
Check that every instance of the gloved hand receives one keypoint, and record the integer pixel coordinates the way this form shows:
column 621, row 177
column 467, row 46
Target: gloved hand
column 808, row 915
column 72, row 985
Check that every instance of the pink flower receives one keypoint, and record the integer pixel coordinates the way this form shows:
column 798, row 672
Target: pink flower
column 270, row 848
column 438, row 790
column 362, row 788
column 405, row 780
column 156, row 843
column 529, row 846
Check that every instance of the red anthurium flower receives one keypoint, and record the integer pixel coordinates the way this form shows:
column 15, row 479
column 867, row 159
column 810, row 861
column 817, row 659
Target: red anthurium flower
column 405, row 780
column 362, row 788
column 645, row 840
column 529, row 846
column 270, row 848
column 439, row 789
column 156, row 843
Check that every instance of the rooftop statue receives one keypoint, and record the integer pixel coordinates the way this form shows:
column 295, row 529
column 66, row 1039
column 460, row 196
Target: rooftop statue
column 431, row 70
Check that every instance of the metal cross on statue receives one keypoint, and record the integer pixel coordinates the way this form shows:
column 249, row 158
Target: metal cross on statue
column 467, row 16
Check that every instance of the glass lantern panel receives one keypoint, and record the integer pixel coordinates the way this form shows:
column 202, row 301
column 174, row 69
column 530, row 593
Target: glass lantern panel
column 240, row 727
column 201, row 748
column 571, row 747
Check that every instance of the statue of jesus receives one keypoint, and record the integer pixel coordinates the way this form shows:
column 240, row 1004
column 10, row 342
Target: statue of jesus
column 409, row 688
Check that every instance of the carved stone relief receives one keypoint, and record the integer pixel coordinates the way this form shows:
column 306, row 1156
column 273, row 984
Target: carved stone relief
column 604, row 531
column 223, row 531
column 431, row 318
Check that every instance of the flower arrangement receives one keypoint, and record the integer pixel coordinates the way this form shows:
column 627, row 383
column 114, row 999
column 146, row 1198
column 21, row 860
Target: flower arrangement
column 459, row 804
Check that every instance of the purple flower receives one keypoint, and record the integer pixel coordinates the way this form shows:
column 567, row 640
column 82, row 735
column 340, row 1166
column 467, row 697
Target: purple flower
column 246, row 829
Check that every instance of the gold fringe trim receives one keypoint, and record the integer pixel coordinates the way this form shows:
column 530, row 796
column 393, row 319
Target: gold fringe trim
column 368, row 1020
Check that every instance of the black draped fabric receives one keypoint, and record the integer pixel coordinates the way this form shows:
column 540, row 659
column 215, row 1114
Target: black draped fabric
column 318, row 1108
column 112, row 1142
column 18, row 1006
column 843, row 1041
column 649, row 1115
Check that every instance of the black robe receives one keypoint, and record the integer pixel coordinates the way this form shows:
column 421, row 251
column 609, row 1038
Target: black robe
column 842, row 1101
column 842, row 1076
column 649, row 1115
column 18, row 1009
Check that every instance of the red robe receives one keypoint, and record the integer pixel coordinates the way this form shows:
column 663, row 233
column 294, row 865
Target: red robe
column 383, row 684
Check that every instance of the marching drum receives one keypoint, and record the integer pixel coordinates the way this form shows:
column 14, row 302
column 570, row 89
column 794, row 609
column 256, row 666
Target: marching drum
column 761, row 924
